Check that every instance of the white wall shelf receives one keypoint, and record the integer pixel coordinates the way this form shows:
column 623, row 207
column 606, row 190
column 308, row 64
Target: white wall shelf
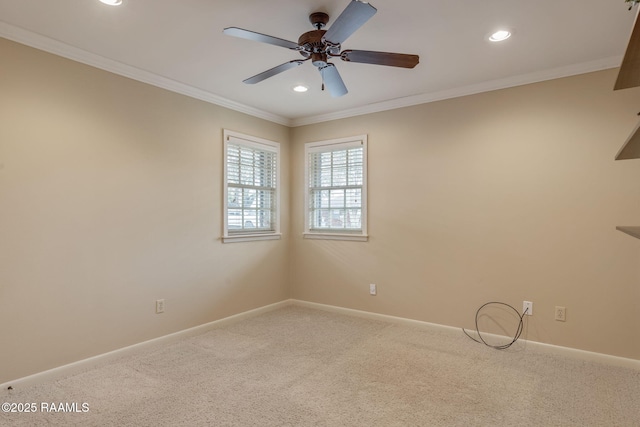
column 630, row 150
column 631, row 147
column 630, row 230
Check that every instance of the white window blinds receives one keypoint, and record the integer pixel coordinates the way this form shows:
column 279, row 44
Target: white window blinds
column 336, row 176
column 251, row 187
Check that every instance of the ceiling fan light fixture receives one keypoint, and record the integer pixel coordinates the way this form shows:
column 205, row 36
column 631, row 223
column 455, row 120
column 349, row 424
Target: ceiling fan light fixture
column 500, row 35
column 112, row 2
column 300, row 88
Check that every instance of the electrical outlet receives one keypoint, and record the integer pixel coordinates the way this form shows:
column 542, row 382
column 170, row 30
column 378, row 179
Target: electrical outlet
column 373, row 289
column 527, row 308
column 159, row 306
column 561, row 314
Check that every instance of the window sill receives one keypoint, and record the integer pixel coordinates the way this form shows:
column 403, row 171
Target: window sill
column 251, row 237
column 336, row 236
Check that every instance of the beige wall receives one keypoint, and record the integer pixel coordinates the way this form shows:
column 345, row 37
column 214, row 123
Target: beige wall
column 110, row 198
column 504, row 196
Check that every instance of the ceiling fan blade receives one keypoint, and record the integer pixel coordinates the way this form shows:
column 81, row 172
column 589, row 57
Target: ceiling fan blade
column 629, row 74
column 381, row 58
column 333, row 81
column 352, row 18
column 252, row 35
column 272, row 72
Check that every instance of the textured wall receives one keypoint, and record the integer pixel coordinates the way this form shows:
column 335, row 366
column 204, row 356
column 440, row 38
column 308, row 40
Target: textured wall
column 110, row 198
column 510, row 195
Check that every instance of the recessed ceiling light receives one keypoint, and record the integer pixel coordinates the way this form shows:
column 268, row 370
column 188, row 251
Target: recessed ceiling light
column 112, row 2
column 500, row 35
column 300, row 88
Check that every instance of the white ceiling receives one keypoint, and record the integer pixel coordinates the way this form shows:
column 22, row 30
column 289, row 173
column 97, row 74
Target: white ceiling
column 179, row 45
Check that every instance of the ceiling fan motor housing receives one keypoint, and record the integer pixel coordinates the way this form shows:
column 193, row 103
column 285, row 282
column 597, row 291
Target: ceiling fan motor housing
column 312, row 41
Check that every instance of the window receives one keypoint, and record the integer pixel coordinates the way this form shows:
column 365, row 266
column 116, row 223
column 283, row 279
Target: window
column 336, row 189
column 251, row 188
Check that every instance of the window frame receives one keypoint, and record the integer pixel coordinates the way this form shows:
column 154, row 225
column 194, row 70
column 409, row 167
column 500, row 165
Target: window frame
column 236, row 138
column 329, row 146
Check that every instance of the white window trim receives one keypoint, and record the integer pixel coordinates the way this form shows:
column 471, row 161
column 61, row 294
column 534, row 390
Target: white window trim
column 348, row 142
column 262, row 144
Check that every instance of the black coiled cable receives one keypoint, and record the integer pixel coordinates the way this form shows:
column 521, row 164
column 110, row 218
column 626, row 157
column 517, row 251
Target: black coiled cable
column 504, row 346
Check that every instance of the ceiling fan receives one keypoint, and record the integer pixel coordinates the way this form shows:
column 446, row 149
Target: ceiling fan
column 320, row 45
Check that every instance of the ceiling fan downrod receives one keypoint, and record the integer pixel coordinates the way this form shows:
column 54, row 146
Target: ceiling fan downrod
column 319, row 20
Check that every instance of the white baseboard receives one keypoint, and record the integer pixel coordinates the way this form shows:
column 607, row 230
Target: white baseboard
column 538, row 346
column 85, row 364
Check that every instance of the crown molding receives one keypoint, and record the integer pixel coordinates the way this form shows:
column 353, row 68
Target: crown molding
column 424, row 98
column 56, row 47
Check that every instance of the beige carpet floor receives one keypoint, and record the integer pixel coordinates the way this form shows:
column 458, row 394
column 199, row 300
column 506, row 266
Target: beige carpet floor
column 298, row 366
